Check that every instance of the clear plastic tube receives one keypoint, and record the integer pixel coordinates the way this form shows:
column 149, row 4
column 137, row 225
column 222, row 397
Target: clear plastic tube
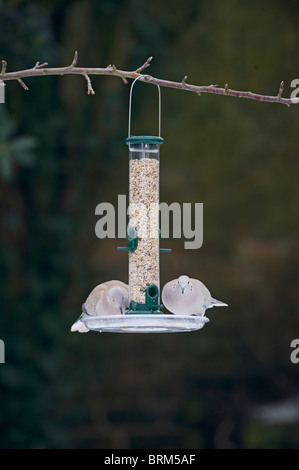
column 144, row 162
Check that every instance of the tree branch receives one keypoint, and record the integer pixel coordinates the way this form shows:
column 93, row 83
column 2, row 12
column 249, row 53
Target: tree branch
column 40, row 70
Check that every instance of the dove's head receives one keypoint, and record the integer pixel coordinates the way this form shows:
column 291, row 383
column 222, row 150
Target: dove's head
column 119, row 298
column 183, row 282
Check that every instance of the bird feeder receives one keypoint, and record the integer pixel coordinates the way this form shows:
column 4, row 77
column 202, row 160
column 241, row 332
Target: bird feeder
column 143, row 236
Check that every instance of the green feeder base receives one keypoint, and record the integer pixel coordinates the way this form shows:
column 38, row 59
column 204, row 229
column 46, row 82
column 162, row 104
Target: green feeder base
column 137, row 308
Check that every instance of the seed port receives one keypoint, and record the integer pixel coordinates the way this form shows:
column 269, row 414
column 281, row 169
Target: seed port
column 153, row 291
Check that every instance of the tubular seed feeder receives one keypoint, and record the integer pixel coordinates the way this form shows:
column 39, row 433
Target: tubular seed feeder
column 143, row 234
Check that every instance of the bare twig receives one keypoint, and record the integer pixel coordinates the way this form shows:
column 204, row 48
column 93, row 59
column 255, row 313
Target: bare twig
column 39, row 66
column 90, row 90
column 111, row 70
column 4, row 65
column 23, row 84
column 124, row 80
column 145, row 65
column 183, row 82
column 280, row 91
column 75, row 60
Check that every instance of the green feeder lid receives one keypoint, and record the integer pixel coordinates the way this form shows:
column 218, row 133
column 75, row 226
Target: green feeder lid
column 144, row 139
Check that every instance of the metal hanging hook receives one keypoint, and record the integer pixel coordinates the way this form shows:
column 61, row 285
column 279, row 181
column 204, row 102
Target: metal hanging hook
column 130, row 105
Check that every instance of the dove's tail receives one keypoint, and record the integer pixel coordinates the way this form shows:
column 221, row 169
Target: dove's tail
column 79, row 326
column 217, row 303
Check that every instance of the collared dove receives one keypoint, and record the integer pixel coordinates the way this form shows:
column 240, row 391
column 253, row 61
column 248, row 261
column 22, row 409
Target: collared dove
column 108, row 298
column 185, row 296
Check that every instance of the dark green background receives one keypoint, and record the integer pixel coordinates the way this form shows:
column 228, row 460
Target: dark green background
column 62, row 152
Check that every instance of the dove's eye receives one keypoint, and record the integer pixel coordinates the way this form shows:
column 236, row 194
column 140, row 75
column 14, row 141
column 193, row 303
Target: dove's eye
column 174, row 286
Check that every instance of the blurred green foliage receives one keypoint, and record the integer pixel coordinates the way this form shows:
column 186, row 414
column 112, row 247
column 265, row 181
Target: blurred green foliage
column 14, row 150
column 62, row 152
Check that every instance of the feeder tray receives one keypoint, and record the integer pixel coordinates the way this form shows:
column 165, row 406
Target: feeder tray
column 149, row 323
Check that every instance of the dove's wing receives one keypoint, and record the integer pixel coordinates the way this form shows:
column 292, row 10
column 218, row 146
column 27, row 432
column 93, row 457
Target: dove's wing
column 95, row 299
column 168, row 296
column 208, row 300
column 202, row 295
